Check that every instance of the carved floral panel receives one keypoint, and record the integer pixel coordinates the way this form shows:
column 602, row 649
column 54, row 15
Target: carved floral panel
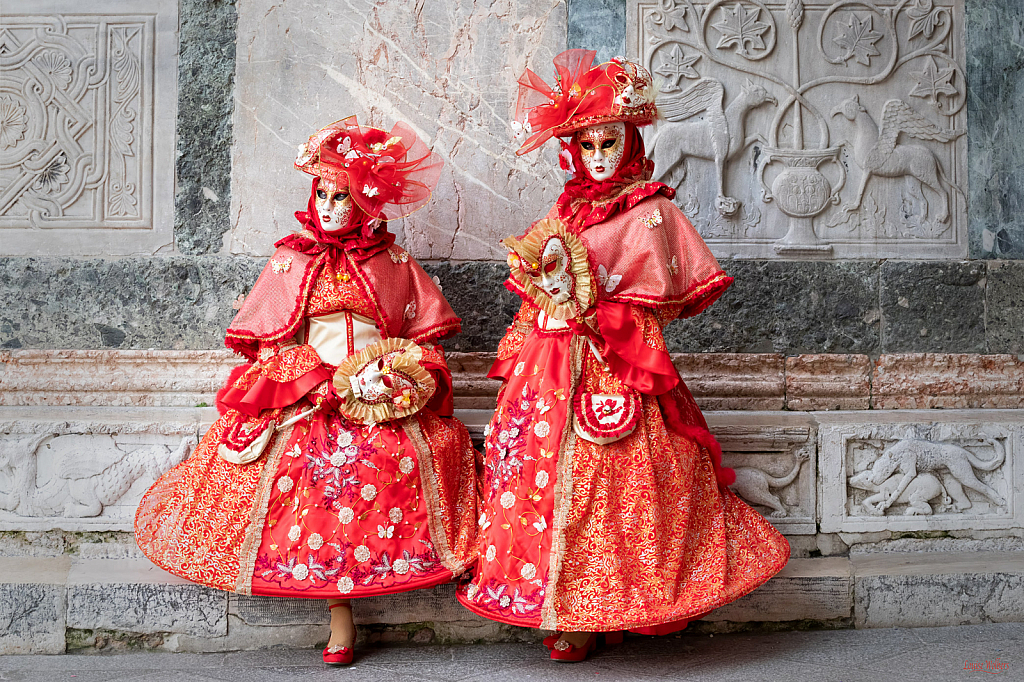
column 86, row 155
column 920, row 476
column 809, row 129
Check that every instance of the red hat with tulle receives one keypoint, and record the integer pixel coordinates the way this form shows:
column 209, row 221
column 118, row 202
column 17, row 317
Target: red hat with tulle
column 388, row 174
column 584, row 95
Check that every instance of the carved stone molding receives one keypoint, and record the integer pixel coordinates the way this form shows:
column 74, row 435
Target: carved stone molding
column 87, row 116
column 811, row 129
column 955, row 381
column 828, row 382
column 905, row 471
column 87, row 468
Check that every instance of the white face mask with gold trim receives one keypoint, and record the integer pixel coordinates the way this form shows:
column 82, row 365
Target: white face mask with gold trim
column 554, row 278
column 601, row 147
column 333, row 205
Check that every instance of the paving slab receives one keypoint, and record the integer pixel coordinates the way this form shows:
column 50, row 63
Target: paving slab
column 932, row 654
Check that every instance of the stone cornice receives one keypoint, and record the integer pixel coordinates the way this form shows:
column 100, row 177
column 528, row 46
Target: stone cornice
column 719, row 381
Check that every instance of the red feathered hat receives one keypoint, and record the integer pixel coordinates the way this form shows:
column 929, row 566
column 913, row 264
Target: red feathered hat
column 386, row 173
column 584, row 95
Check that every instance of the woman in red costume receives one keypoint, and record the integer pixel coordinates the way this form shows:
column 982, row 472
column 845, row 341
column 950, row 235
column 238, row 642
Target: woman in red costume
column 336, row 470
column 604, row 504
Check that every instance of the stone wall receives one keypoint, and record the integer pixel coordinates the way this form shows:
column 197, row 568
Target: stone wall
column 827, row 353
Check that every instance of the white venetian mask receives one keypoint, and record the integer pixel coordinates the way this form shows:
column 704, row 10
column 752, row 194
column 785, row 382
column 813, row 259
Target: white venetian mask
column 554, row 277
column 601, row 147
column 333, row 205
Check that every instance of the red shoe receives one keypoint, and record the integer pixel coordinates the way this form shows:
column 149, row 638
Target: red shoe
column 338, row 655
column 550, row 640
column 567, row 653
column 615, row 637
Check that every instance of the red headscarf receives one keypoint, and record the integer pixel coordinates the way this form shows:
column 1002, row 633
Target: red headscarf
column 586, row 201
column 359, row 239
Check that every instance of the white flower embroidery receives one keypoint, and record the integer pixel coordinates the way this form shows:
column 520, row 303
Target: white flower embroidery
column 492, row 552
column 541, row 429
column 410, row 310
column 345, row 585
column 524, row 405
column 541, row 524
column 315, row 541
column 609, row 282
column 368, row 492
column 338, row 459
column 487, row 430
column 405, row 465
column 505, row 601
column 503, row 436
column 472, row 591
column 401, row 566
column 528, row 571
column 395, row 515
column 345, row 439
column 300, row 572
column 346, row 515
column 508, row 499
column 284, row 484
column 519, row 368
column 383, row 532
column 361, row 553
column 281, row 266
column 541, row 479
column 294, row 533
column 483, row 517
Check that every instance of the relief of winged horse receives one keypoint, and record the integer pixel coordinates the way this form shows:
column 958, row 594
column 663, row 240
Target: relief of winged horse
column 719, row 136
column 877, row 152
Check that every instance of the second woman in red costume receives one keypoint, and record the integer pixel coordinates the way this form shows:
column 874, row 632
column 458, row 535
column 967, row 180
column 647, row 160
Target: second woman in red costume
column 337, row 470
column 605, row 506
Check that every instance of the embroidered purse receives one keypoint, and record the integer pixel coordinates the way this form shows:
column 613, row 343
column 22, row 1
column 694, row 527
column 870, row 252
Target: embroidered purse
column 604, row 418
column 246, row 438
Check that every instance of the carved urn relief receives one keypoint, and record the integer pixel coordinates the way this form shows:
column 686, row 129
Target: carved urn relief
column 769, row 107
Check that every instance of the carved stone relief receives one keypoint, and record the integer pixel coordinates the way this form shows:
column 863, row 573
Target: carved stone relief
column 87, row 127
column 803, row 129
column 775, row 472
column 919, row 476
column 84, row 475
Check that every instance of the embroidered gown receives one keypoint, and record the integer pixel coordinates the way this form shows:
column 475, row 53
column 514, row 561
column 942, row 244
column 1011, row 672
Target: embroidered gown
column 636, row 534
column 332, row 509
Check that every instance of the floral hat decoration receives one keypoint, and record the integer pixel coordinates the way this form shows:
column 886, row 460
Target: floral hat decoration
column 583, row 95
column 389, row 174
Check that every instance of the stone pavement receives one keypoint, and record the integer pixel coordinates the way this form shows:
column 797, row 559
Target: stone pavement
column 932, row 654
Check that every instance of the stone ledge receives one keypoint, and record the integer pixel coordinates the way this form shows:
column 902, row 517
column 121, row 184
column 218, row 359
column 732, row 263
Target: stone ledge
column 46, row 598
column 719, row 381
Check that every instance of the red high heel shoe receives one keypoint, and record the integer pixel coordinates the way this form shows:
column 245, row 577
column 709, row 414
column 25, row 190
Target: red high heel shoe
column 564, row 652
column 337, row 655
column 610, row 638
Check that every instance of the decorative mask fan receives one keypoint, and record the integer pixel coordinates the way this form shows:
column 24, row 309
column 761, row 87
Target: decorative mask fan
column 384, row 381
column 550, row 263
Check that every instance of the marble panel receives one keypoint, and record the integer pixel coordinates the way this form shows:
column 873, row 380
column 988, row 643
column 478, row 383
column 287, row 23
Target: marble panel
column 87, row 126
column 447, row 68
column 915, row 471
column 811, row 129
column 83, row 468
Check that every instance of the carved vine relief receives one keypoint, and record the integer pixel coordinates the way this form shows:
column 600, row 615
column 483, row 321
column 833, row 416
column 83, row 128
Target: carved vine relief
column 918, row 477
column 75, row 121
column 769, row 106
